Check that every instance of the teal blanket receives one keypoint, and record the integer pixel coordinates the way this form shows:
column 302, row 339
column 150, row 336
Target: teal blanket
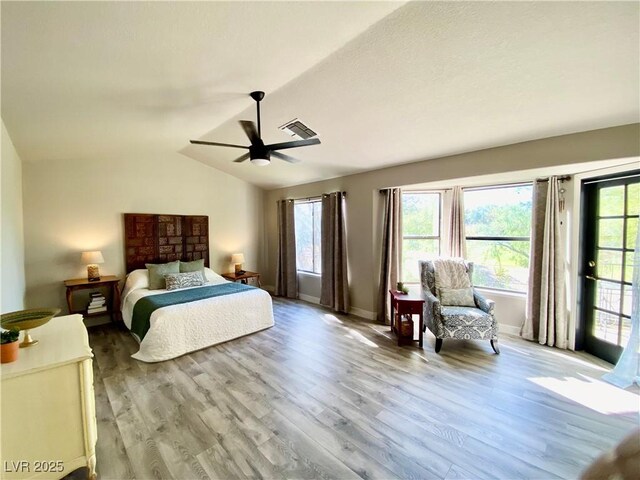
column 144, row 307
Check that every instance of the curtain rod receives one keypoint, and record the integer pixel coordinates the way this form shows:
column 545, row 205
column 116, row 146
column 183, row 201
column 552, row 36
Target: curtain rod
column 562, row 178
column 317, row 197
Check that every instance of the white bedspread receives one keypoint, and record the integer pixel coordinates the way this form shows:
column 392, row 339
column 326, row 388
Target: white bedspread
column 184, row 328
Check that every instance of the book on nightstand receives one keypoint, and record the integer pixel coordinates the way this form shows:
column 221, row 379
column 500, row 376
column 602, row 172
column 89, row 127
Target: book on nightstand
column 97, row 309
column 97, row 303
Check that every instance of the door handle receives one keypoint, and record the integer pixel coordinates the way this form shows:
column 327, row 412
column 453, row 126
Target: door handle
column 591, row 264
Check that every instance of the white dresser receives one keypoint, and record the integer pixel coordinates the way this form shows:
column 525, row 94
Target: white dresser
column 48, row 421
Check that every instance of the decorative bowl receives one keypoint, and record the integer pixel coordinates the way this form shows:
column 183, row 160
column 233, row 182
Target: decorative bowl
column 26, row 320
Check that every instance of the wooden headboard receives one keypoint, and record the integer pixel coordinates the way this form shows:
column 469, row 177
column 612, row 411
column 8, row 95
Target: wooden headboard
column 153, row 238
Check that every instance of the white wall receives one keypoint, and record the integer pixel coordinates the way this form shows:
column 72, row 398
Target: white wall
column 12, row 235
column 551, row 156
column 76, row 205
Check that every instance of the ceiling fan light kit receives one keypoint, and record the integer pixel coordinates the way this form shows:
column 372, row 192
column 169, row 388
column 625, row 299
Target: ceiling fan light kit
column 261, row 162
column 260, row 154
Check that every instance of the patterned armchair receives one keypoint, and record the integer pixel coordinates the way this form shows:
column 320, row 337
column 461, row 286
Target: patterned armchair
column 469, row 323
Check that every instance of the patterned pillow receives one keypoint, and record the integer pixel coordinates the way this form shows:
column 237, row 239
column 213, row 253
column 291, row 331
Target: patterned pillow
column 176, row 281
column 461, row 297
column 158, row 271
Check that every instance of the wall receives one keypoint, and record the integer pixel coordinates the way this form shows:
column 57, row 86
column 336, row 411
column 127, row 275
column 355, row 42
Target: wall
column 549, row 156
column 12, row 234
column 77, row 205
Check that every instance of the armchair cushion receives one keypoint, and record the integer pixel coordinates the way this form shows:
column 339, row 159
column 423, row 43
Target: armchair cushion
column 465, row 316
column 459, row 297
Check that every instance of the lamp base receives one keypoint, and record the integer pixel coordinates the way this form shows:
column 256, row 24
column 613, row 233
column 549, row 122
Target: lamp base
column 93, row 273
column 28, row 341
column 238, row 268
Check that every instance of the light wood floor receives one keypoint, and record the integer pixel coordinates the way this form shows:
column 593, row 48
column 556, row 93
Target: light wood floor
column 324, row 396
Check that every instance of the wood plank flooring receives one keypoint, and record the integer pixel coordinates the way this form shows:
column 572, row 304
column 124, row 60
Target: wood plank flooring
column 329, row 396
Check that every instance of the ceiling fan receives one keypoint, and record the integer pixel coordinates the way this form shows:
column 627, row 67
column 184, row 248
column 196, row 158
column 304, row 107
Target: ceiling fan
column 259, row 153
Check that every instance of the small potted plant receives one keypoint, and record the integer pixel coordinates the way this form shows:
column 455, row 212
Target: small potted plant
column 9, row 346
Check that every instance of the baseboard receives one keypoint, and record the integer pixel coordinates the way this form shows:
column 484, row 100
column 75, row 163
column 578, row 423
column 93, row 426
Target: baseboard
column 509, row 329
column 309, row 298
column 359, row 312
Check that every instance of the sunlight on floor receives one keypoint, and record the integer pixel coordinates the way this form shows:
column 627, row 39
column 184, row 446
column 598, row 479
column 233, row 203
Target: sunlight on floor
column 330, row 319
column 572, row 358
column 594, row 394
column 361, row 338
column 421, row 356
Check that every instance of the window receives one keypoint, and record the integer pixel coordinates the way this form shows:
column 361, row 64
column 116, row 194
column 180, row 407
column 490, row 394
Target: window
column 420, row 231
column 498, row 231
column 308, row 220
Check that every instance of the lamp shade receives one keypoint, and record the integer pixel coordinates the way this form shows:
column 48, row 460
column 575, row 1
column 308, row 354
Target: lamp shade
column 90, row 258
column 237, row 258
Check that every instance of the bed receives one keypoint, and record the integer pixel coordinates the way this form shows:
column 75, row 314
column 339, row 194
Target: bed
column 170, row 323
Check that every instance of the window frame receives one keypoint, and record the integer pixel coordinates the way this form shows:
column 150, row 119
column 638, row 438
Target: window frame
column 421, row 237
column 494, row 238
column 314, row 222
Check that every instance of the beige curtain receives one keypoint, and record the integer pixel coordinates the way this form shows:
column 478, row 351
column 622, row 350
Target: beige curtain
column 391, row 249
column 457, row 243
column 546, row 320
column 286, row 273
column 334, row 292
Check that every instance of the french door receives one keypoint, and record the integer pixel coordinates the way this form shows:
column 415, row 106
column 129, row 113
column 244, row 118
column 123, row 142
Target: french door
column 610, row 226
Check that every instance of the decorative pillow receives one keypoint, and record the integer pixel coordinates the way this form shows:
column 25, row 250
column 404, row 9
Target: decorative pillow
column 157, row 273
column 176, row 281
column 195, row 266
column 461, row 297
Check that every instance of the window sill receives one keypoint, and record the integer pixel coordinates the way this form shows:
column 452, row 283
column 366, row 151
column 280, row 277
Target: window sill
column 497, row 291
column 309, row 274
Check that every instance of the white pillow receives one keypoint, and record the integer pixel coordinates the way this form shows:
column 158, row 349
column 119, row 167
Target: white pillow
column 213, row 277
column 135, row 281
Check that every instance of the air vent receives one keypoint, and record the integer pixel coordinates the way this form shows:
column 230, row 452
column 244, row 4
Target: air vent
column 296, row 127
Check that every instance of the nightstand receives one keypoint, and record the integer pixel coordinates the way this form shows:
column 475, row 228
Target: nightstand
column 234, row 277
column 410, row 305
column 110, row 282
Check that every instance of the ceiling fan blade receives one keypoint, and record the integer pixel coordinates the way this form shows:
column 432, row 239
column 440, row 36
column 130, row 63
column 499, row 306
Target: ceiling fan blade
column 294, row 144
column 250, row 129
column 242, row 158
column 216, row 144
column 284, row 157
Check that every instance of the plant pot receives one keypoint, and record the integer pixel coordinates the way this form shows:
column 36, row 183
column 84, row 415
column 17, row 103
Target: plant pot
column 9, row 352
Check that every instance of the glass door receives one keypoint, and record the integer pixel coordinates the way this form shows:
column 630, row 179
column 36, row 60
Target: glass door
column 610, row 226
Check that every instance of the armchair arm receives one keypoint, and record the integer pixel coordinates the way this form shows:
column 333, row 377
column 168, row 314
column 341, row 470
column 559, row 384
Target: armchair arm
column 432, row 304
column 483, row 303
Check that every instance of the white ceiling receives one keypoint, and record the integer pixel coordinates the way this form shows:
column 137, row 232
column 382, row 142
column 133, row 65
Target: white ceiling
column 383, row 83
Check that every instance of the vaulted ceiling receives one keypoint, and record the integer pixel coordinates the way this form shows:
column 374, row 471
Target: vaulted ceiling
column 382, row 82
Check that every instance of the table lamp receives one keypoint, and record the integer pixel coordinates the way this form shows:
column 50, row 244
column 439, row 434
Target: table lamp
column 91, row 260
column 238, row 259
